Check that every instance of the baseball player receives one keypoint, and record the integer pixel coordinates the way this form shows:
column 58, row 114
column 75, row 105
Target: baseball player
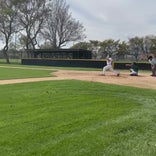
column 109, row 66
column 152, row 61
column 133, row 69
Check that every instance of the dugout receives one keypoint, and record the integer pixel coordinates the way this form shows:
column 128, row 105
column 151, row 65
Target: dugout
column 61, row 53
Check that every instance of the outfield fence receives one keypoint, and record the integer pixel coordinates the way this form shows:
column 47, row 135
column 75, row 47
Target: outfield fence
column 86, row 63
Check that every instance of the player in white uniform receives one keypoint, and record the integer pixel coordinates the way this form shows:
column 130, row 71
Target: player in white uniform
column 152, row 61
column 110, row 67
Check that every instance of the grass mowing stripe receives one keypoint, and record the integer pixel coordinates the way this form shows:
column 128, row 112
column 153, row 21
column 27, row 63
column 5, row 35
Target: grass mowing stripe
column 75, row 118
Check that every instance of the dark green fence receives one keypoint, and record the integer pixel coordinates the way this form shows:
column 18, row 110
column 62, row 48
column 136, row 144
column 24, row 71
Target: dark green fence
column 79, row 63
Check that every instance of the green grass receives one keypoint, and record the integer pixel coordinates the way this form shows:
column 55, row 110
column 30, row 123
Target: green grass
column 15, row 73
column 76, row 118
column 12, row 71
column 49, row 67
column 10, row 67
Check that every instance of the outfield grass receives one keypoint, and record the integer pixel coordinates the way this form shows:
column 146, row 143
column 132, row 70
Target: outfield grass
column 53, row 68
column 11, row 71
column 49, row 67
column 15, row 73
column 76, row 118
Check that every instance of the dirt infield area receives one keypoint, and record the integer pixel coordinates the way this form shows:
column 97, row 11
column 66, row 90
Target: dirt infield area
column 142, row 81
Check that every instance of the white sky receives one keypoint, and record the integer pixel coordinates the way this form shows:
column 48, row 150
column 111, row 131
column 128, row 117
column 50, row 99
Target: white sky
column 115, row 19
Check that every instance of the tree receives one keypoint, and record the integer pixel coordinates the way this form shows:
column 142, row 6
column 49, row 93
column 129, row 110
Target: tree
column 94, row 47
column 61, row 28
column 8, row 24
column 46, row 45
column 123, row 49
column 135, row 47
column 153, row 44
column 31, row 16
column 109, row 47
column 147, row 42
column 81, row 45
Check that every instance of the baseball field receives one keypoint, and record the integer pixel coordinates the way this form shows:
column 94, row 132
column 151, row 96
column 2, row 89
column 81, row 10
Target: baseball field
column 76, row 112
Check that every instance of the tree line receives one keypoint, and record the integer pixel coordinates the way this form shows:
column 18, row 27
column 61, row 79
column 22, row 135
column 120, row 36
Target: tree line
column 30, row 24
column 136, row 48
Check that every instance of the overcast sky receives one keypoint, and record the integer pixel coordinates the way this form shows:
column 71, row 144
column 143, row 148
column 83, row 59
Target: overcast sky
column 115, row 19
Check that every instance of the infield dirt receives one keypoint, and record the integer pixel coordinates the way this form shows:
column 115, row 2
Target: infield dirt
column 142, row 81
